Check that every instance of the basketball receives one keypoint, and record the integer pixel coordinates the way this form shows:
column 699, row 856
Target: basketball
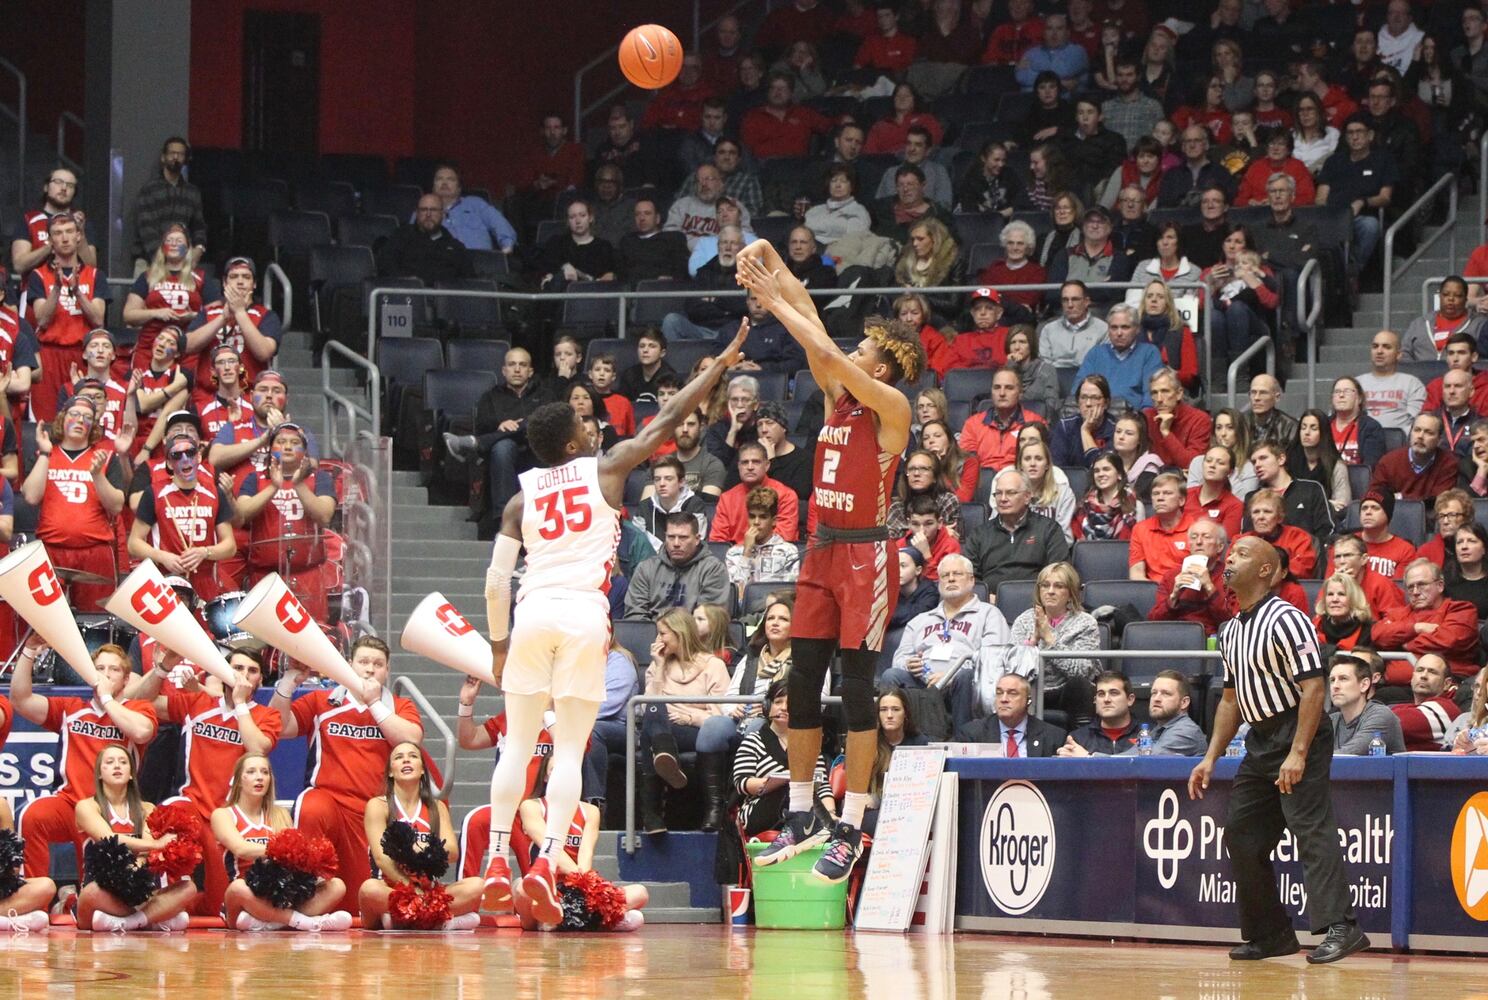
column 650, row 56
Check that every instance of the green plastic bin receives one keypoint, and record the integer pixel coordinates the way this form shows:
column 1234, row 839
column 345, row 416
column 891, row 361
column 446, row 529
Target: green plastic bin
column 788, row 897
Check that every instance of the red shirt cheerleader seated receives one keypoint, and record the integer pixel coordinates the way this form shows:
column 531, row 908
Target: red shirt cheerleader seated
column 86, row 727
column 244, row 826
column 115, row 809
column 409, row 798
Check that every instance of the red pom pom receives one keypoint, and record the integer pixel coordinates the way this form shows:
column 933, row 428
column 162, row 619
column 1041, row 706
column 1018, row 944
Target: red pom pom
column 300, row 852
column 601, row 896
column 178, row 859
column 419, row 904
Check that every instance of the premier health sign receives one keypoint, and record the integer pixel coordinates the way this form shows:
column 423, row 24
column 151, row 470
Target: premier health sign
column 1116, row 847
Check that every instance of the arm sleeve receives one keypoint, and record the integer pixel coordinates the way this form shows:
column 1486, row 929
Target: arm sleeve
column 1298, row 638
column 268, row 722
column 305, row 709
column 146, row 512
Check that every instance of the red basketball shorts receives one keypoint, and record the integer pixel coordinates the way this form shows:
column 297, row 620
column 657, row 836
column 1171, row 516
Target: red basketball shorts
column 847, row 592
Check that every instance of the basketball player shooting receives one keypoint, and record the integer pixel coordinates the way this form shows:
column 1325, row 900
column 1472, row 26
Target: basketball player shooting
column 567, row 517
column 849, row 579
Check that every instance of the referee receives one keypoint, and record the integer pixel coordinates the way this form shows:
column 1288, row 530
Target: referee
column 1274, row 680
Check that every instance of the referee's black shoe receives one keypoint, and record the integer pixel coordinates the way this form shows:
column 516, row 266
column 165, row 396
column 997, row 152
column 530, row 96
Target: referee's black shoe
column 1254, row 951
column 1342, row 941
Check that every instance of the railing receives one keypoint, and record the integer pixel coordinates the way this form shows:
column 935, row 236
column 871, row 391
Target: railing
column 17, row 114
column 1309, row 284
column 623, row 296
column 62, row 120
column 276, row 274
column 1448, row 181
column 582, row 110
column 1267, row 344
column 334, row 402
column 447, row 770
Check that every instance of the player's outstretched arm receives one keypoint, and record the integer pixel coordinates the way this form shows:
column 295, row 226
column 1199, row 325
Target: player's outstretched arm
column 791, row 289
column 834, row 370
column 625, row 456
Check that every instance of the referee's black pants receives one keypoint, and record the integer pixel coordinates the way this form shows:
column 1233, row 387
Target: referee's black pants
column 1259, row 814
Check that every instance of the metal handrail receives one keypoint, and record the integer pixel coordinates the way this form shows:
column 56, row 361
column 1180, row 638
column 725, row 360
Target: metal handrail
column 1309, row 282
column 447, row 772
column 62, row 120
column 1448, row 181
column 276, row 272
column 18, row 115
column 330, row 397
column 1267, row 344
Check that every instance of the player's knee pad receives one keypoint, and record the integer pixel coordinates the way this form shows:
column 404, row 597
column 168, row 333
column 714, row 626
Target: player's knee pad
column 804, row 693
column 858, row 708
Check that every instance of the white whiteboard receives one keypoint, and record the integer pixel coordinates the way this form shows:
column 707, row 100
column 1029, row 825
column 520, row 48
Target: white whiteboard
column 901, row 842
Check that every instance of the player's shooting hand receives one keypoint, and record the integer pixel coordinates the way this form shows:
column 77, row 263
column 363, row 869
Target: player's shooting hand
column 763, row 283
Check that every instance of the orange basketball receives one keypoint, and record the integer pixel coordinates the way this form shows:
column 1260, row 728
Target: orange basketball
column 650, row 56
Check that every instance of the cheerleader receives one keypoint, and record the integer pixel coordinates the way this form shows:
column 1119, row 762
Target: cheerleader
column 116, row 810
column 244, row 826
column 24, row 905
column 577, row 856
column 409, row 799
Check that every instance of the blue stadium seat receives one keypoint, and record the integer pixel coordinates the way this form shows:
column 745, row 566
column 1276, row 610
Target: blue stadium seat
column 972, row 228
column 333, row 268
column 967, row 384
column 973, row 516
column 334, row 198
column 403, row 361
column 364, row 230
column 477, row 355
column 1178, row 636
column 1014, row 597
column 454, row 393
column 297, row 232
column 622, row 350
column 636, row 638
column 650, row 312
column 635, row 485
column 592, row 315
column 399, row 201
column 1079, row 480
column 1359, row 481
column 472, row 317
column 755, row 594
column 1312, row 588
column 805, row 384
column 1140, row 594
column 1100, row 560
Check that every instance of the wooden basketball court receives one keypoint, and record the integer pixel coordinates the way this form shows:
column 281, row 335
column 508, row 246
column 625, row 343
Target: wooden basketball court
column 690, row 961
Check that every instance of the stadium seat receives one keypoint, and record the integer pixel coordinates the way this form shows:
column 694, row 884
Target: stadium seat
column 364, row 230
column 719, row 549
column 1014, row 597
column 332, row 268
column 967, row 384
column 1079, row 480
column 477, row 355
column 454, row 393
column 972, row 228
column 334, row 198
column 1359, row 476
column 772, row 385
column 362, row 171
column 1312, row 588
column 990, row 80
column 1066, row 381
column 403, row 362
column 398, row 200
column 422, row 313
column 489, row 264
column 683, row 354
column 650, row 312
column 973, row 516
column 755, row 594
column 623, row 351
column 1423, row 370
column 475, row 317
column 775, row 228
column 1101, row 560
column 1394, row 438
column 981, row 255
column 636, row 638
column 594, row 316
column 1480, row 510
column 1149, row 636
column 548, row 228
column 1140, row 594
column 415, row 170
column 295, row 233
column 635, row 485
column 1408, row 521
column 805, row 384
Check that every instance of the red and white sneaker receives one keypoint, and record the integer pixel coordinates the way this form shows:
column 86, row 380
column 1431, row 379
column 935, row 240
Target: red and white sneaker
column 497, row 897
column 539, row 887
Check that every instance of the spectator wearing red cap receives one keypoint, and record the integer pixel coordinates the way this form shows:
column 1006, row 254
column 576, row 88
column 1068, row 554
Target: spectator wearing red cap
column 993, row 434
column 170, row 292
column 1420, row 470
column 163, row 388
column 985, row 344
column 285, row 512
column 185, row 526
column 229, row 405
column 77, row 484
column 65, row 299
column 1388, row 554
column 249, row 326
column 1434, row 623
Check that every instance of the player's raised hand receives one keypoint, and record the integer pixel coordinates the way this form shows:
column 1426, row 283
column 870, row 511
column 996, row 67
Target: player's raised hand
column 753, row 275
column 730, row 355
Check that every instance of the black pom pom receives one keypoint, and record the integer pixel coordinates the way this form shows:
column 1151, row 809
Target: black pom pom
column 416, row 853
column 281, row 887
column 12, row 857
column 118, row 871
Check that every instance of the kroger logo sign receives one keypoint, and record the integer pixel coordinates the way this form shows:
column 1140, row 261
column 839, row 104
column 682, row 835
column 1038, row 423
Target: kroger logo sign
column 1017, row 847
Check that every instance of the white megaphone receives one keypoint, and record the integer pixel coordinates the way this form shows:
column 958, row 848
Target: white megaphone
column 29, row 584
column 147, row 602
column 438, row 631
column 274, row 615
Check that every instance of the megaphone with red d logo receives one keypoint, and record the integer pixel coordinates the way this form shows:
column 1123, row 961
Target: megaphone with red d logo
column 272, row 614
column 438, row 631
column 29, row 584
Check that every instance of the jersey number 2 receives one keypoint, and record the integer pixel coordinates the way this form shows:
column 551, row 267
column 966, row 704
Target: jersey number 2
column 830, row 459
column 566, row 510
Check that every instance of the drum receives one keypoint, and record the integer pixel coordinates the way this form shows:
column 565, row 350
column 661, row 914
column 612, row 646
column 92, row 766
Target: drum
column 98, row 630
column 219, row 615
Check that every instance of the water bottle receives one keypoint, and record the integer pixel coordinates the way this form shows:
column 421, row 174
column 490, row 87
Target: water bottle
column 1144, row 741
column 1377, row 745
column 1236, row 748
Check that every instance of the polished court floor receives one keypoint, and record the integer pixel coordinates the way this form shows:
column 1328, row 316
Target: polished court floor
column 690, row 963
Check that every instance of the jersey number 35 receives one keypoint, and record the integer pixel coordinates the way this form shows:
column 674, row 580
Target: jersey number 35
column 565, row 510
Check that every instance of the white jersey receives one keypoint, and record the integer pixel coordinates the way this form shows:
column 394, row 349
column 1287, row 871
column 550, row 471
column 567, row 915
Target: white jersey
column 568, row 529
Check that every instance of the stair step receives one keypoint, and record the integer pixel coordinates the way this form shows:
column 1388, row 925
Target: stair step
column 683, row 915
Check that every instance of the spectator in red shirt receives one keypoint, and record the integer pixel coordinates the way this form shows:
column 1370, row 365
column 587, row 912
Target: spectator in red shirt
column 1011, row 38
column 1178, row 432
column 1424, row 719
column 620, row 413
column 1278, row 160
column 929, row 535
column 782, row 127
column 891, row 134
column 1159, row 544
column 1422, row 469
column 1434, row 623
column 1196, row 591
column 803, row 20
column 731, row 519
column 1265, row 507
column 1388, row 554
column 1351, row 558
column 680, row 105
column 1460, row 354
column 66, row 297
column 1017, row 266
column 185, row 526
column 985, row 344
column 891, row 50
column 993, row 434
column 1212, row 498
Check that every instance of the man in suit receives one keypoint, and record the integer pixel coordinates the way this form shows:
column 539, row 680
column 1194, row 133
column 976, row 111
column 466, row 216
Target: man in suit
column 1013, row 729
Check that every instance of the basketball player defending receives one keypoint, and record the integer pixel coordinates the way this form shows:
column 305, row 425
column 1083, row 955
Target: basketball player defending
column 849, row 580
column 567, row 518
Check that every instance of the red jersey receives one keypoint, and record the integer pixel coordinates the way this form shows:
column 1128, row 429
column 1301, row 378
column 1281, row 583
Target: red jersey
column 71, row 513
column 268, row 324
column 496, row 729
column 172, row 294
column 284, row 517
column 574, row 838
column 853, row 475
column 86, row 731
column 351, row 754
column 217, row 414
column 154, row 381
column 1389, row 558
column 211, row 744
column 7, row 716
column 68, row 326
column 418, row 819
column 180, row 518
column 112, row 419
column 1226, row 510
column 255, row 831
column 120, row 822
column 16, row 348
column 621, row 414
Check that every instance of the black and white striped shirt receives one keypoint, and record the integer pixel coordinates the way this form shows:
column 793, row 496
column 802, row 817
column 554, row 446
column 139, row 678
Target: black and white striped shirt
column 1268, row 651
